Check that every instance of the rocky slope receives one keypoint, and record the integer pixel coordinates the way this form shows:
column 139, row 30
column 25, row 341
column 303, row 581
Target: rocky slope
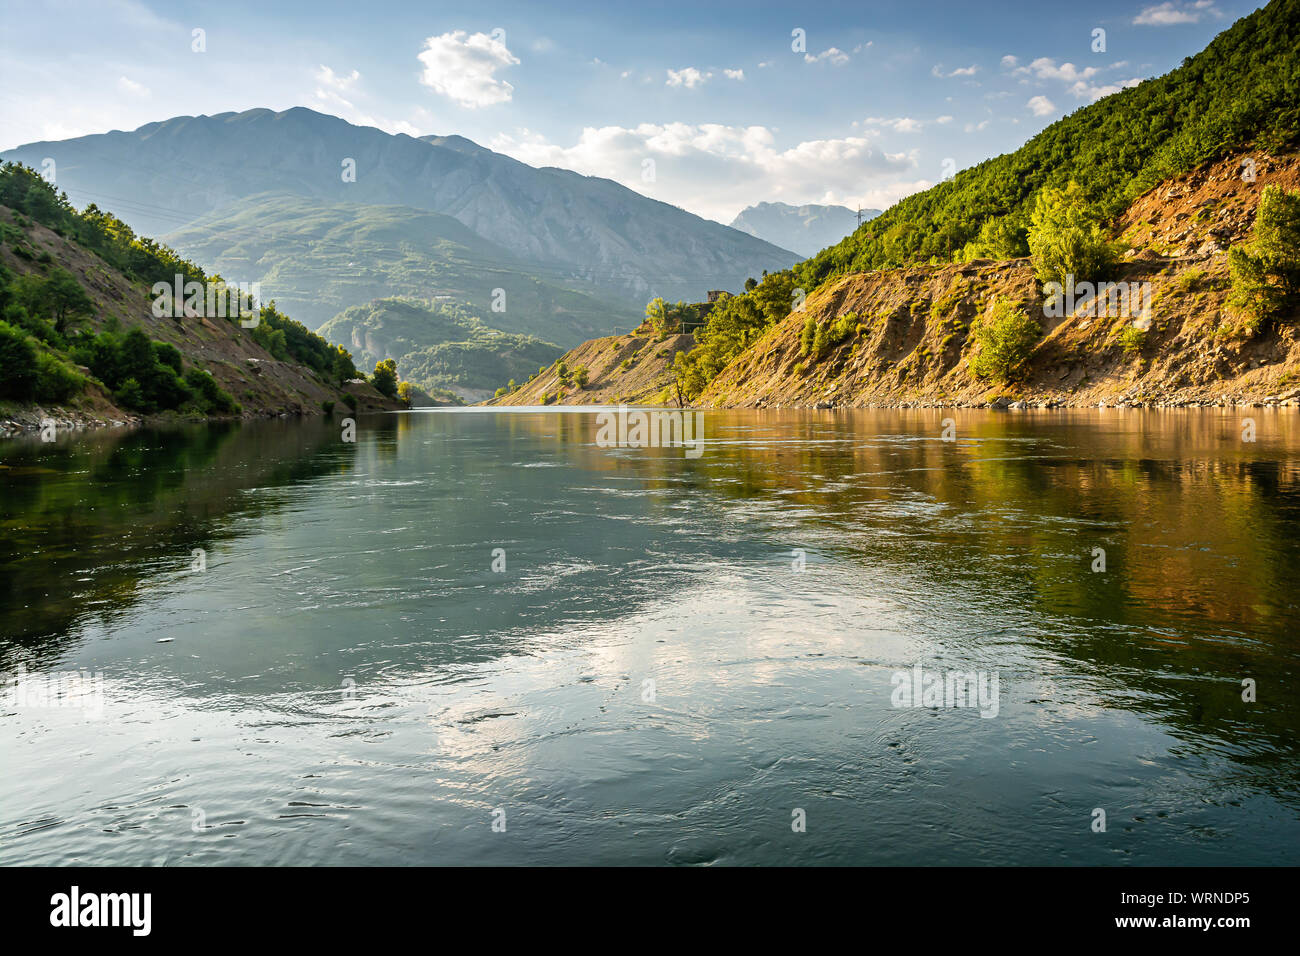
column 910, row 341
column 632, row 369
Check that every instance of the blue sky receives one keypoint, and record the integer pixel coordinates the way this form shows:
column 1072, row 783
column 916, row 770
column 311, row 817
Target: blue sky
column 706, row 105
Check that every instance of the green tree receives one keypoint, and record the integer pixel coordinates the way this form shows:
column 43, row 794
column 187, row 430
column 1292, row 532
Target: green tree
column 774, row 296
column 660, row 316
column 67, row 299
column 384, row 378
column 1066, row 238
column 1266, row 272
column 688, row 378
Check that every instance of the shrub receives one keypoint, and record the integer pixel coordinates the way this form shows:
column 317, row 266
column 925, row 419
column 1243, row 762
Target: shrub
column 17, row 363
column 350, row 400
column 1266, row 273
column 56, row 381
column 129, row 394
column 208, row 396
column 169, row 355
column 1006, row 337
column 1131, row 340
column 808, row 336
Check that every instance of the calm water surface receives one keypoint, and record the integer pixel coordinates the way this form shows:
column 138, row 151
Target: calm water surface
column 650, row 679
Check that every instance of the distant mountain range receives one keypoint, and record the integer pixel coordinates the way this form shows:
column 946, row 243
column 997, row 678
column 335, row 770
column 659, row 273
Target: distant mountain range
column 232, row 191
column 806, row 230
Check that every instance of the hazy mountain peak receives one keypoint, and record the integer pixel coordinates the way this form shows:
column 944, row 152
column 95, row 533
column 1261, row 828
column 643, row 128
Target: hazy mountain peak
column 806, row 229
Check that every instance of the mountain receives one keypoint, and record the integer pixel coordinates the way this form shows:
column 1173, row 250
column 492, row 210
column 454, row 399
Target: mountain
column 570, row 228
column 316, row 258
column 804, row 229
column 438, row 346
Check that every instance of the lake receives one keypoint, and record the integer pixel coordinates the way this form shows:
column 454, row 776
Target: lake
column 480, row 637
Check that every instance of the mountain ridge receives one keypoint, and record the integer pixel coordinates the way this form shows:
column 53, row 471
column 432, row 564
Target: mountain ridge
column 169, row 173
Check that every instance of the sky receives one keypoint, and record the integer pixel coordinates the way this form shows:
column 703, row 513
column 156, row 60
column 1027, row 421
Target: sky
column 709, row 106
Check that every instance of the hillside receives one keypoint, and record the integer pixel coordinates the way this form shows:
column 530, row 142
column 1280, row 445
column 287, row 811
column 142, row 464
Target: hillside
column 166, row 175
column 69, row 304
column 909, row 338
column 438, row 345
column 803, row 229
column 634, row 369
column 317, row 259
column 1244, row 88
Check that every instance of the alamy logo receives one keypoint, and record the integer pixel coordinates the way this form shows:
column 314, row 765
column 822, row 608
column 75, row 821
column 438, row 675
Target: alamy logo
column 924, row 688
column 103, row 909
column 208, row 300
column 1127, row 300
column 651, row 429
column 80, row 690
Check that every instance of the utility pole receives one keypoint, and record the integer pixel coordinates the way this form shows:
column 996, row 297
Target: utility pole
column 859, row 215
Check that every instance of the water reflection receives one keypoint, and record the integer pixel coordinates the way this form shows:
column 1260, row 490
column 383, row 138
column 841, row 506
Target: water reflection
column 371, row 563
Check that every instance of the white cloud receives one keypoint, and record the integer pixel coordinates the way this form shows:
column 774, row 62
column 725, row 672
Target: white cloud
column 734, row 74
column 899, row 124
column 1045, row 68
column 132, row 87
column 715, row 170
column 1009, row 61
column 462, row 67
column 1041, row 106
column 688, row 77
column 329, row 80
column 834, row 55
column 1172, row 13
column 943, row 120
column 937, row 70
column 1094, row 93
column 336, row 93
column 976, row 127
column 1077, row 80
